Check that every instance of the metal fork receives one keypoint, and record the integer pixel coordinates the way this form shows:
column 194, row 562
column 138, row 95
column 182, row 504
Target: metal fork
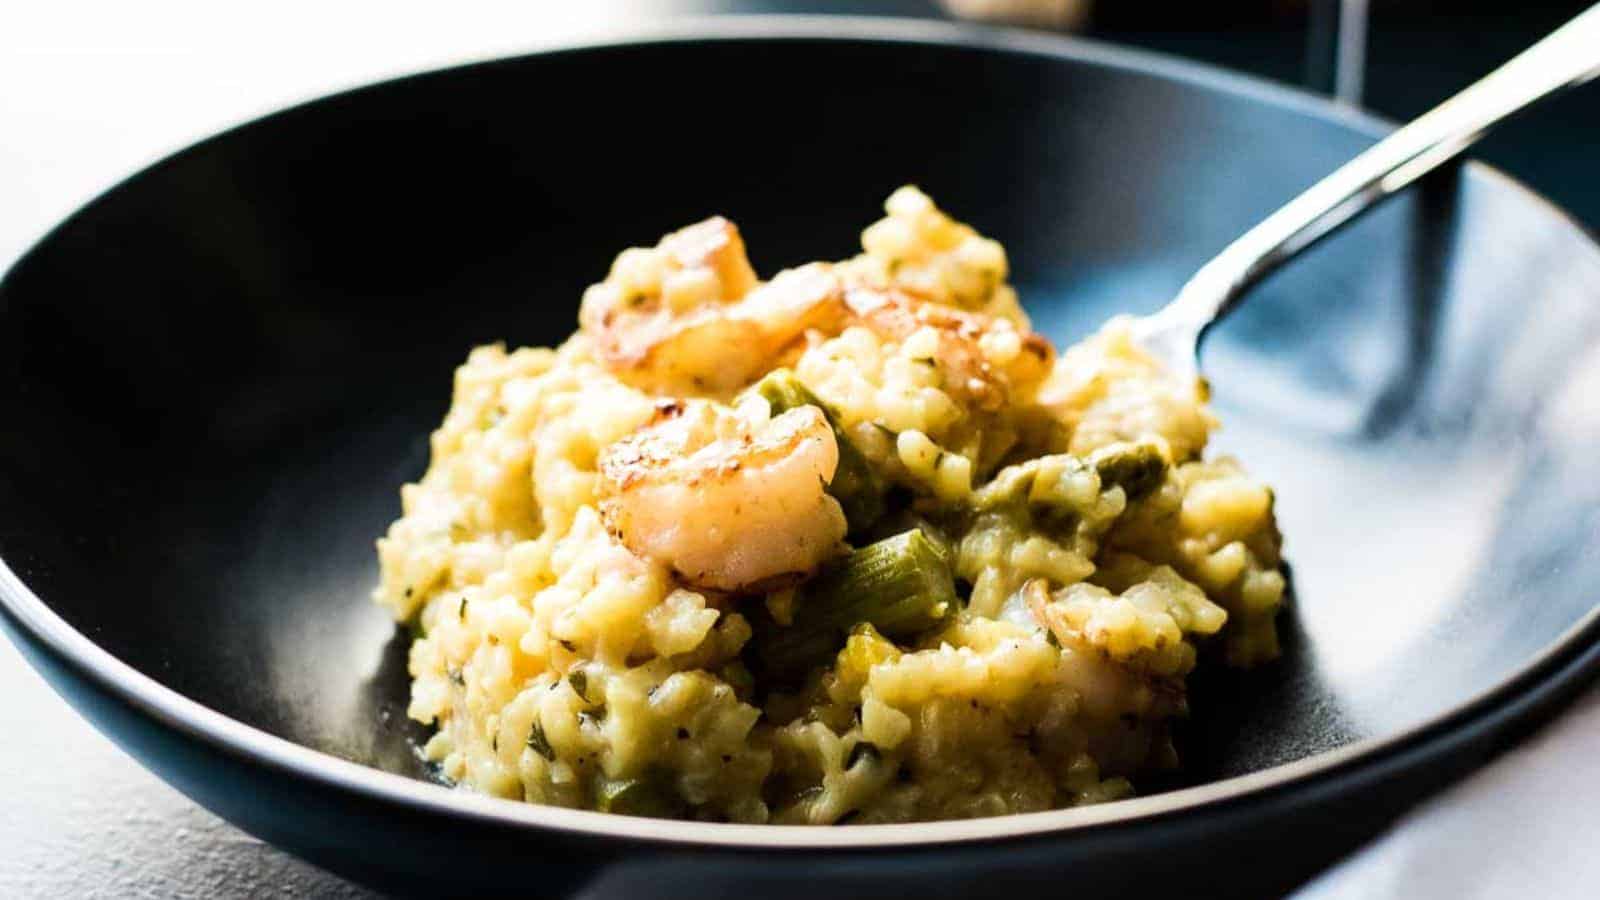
column 1568, row 57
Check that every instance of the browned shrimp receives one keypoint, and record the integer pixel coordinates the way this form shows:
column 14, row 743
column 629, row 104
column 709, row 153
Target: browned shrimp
column 689, row 317
column 729, row 499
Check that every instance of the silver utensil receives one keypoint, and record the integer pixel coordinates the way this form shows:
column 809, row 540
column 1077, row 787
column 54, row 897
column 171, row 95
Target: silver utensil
column 1568, row 57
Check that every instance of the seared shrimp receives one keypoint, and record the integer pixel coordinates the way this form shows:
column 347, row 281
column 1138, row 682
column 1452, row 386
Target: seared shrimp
column 730, row 500
column 689, row 317
column 984, row 358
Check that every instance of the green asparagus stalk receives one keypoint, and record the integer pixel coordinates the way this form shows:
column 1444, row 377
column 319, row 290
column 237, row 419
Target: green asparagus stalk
column 901, row 585
column 636, row 797
column 905, row 519
column 855, row 485
column 1137, row 468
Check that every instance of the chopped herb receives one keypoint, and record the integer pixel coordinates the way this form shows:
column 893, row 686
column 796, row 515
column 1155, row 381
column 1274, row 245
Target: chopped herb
column 461, row 611
column 538, row 743
column 571, row 647
column 494, row 743
column 863, row 750
column 580, row 684
column 408, row 592
column 456, row 676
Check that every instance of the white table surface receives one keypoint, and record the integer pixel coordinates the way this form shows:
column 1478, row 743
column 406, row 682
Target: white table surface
column 90, row 92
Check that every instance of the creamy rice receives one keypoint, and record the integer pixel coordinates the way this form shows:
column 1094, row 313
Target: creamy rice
column 635, row 579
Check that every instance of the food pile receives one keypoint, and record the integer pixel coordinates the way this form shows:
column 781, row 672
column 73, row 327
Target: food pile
column 848, row 545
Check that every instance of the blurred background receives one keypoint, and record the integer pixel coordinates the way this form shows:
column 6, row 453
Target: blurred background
column 1400, row 57
column 91, row 90
column 1415, row 54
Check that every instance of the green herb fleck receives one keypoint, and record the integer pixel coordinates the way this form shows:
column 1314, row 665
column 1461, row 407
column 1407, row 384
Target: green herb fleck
column 538, row 743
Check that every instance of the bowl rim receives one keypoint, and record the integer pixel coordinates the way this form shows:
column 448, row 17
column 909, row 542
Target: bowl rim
column 1553, row 663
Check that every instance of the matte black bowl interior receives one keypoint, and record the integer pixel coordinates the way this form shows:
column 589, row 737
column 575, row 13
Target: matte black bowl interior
column 215, row 377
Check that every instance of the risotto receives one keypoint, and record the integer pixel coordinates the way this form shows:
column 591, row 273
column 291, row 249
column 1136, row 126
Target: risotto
column 852, row 544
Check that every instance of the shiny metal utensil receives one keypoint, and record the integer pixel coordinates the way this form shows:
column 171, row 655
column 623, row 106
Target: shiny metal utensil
column 1566, row 58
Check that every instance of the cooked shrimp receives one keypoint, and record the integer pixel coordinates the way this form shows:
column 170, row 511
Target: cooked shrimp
column 689, row 318
column 713, row 246
column 728, row 499
column 984, row 359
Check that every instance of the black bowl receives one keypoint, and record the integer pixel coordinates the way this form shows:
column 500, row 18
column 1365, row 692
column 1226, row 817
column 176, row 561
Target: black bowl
column 216, row 376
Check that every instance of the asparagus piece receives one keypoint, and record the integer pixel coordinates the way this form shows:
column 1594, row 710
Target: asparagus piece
column 1138, row 468
column 636, row 797
column 901, row 585
column 855, row 485
column 903, row 520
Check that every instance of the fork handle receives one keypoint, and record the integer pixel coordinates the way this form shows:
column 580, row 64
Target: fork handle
column 1568, row 57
